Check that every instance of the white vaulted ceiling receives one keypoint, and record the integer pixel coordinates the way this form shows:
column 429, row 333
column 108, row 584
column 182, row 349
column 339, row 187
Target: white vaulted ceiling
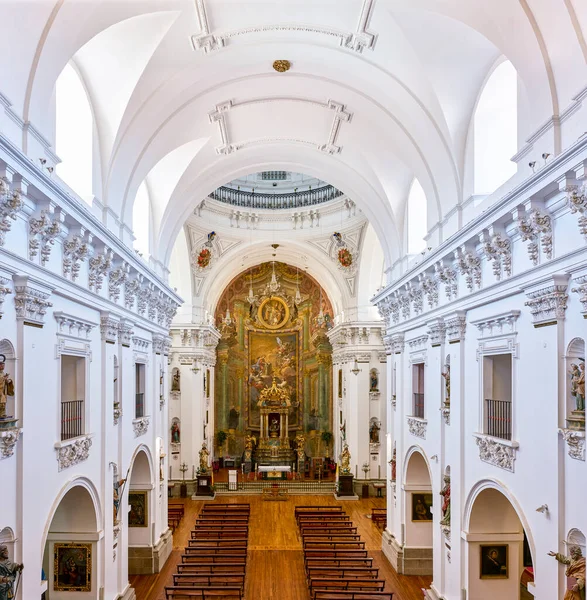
column 380, row 91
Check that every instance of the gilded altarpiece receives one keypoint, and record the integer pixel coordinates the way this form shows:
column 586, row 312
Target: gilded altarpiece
column 273, row 321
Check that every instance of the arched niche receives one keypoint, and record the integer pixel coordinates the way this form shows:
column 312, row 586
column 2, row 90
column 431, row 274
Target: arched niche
column 575, row 365
column 496, row 541
column 139, row 515
column 70, row 557
column 418, row 512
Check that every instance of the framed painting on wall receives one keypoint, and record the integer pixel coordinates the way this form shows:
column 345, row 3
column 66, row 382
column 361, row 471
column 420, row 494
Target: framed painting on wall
column 421, row 505
column 72, row 567
column 138, row 513
column 494, row 562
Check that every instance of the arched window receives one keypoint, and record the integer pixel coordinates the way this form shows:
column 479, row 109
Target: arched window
column 417, row 219
column 495, row 130
column 74, row 133
column 141, row 220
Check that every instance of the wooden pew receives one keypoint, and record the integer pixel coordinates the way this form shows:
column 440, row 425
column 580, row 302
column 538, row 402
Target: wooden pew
column 369, row 585
column 229, row 505
column 309, row 508
column 379, row 516
column 218, row 543
column 329, row 553
column 235, row 520
column 208, row 579
column 318, row 526
column 319, row 535
column 334, row 545
column 212, row 568
column 339, row 518
column 232, row 558
column 343, row 572
column 198, row 534
column 176, row 507
column 215, row 551
column 314, row 562
column 351, row 595
column 187, row 593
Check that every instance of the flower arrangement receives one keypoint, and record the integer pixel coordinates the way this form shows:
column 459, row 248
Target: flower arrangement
column 345, row 258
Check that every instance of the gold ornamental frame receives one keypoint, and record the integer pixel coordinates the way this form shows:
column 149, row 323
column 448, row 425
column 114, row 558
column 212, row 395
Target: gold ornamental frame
column 282, row 322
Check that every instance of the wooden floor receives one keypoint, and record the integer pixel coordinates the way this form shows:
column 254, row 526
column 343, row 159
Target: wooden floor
column 275, row 567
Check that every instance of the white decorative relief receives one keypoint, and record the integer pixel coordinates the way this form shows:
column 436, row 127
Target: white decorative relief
column 536, row 229
column 42, row 234
column 500, row 453
column 99, row 267
column 575, row 441
column 548, row 305
column 581, row 289
column 75, row 251
column 8, row 440
column 429, row 287
column 31, row 304
column 4, row 290
column 125, row 333
column 109, row 329
column 357, row 41
column 418, row 343
column 456, row 325
column 73, row 326
column 10, row 204
column 140, row 426
column 501, row 324
column 416, row 297
column 469, row 265
column 445, row 412
column 218, row 115
column 74, row 451
column 116, row 280
column 132, row 288
column 498, row 250
column 448, row 277
column 417, row 427
column 578, row 204
column 436, row 332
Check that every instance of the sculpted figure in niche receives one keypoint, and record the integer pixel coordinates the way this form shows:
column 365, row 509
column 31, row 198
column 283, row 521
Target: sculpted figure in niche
column 393, row 463
column 373, row 381
column 274, row 427
column 445, row 493
column 175, row 381
column 575, row 569
column 446, row 375
column 116, row 497
column 204, row 454
column 8, row 573
column 6, row 386
column 577, row 374
column 175, row 432
column 374, row 432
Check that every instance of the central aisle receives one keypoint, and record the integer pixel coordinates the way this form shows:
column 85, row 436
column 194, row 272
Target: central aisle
column 275, row 566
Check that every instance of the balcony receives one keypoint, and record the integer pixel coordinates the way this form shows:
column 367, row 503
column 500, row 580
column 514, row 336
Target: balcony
column 139, row 405
column 418, row 405
column 72, row 419
column 498, row 418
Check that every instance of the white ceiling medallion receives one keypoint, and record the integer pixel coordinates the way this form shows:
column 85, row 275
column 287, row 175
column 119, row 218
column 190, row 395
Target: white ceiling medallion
column 218, row 115
column 357, row 41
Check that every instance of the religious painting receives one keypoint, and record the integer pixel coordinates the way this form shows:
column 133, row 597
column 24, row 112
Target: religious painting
column 72, row 567
column 138, row 514
column 272, row 356
column 340, row 383
column 421, row 505
column 273, row 313
column 494, row 561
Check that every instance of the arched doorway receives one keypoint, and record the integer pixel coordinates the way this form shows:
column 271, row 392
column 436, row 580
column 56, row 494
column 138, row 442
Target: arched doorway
column 70, row 557
column 418, row 516
column 499, row 551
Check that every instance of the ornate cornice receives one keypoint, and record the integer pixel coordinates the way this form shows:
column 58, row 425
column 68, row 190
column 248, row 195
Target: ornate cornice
column 575, row 441
column 456, row 325
column 503, row 323
column 109, row 326
column 436, row 332
column 125, row 332
column 8, row 441
column 42, row 234
column 10, row 205
column 73, row 326
column 499, row 453
column 31, row 300
column 536, row 229
column 417, row 427
column 140, row 426
column 548, row 304
column 4, row 290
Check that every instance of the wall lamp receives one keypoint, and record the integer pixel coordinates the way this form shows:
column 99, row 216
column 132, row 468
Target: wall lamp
column 355, row 370
column 542, row 509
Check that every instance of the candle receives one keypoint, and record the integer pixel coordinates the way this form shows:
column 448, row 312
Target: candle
column 193, row 471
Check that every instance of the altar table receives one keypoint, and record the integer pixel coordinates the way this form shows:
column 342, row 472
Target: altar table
column 271, row 468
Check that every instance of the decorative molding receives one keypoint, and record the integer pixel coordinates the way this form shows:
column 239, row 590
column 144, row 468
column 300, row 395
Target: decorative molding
column 31, row 303
column 456, row 325
column 73, row 326
column 445, row 411
column 498, row 250
column 469, row 265
column 436, row 332
column 109, row 328
column 397, row 342
column 116, row 280
column 125, row 333
column 8, row 441
column 75, row 250
column 500, row 453
column 42, row 234
column 99, row 267
column 393, row 401
column 4, row 290
column 356, row 41
column 417, row 427
column 501, row 324
column 117, row 413
column 581, row 289
column 548, row 305
column 448, row 277
column 374, row 395
column 575, row 441
column 536, row 229
column 132, row 288
column 418, row 343
column 429, row 286
column 218, row 115
column 159, row 342
column 577, row 199
column 140, row 426
column 10, row 204
column 72, row 452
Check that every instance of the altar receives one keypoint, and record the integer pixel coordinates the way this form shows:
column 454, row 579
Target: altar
column 274, row 471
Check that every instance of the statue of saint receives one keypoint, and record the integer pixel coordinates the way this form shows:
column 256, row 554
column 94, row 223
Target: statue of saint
column 6, row 386
column 575, row 569
column 580, row 397
column 249, row 440
column 8, row 573
column 204, row 454
column 116, row 498
column 374, row 381
column 175, row 433
column 374, row 432
column 393, row 464
column 175, row 381
column 274, row 427
column 445, row 493
column 446, row 375
column 345, row 460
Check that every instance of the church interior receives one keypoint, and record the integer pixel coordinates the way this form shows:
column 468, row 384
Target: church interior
column 302, row 288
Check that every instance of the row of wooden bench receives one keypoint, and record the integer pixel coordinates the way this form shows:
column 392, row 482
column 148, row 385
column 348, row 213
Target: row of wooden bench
column 213, row 565
column 175, row 514
column 337, row 563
